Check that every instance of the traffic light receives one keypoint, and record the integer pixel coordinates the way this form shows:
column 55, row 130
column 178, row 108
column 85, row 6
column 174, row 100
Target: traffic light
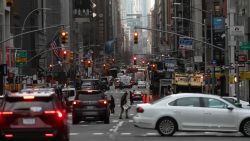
column 64, row 37
column 242, row 58
column 135, row 60
column 135, row 37
column 71, row 57
column 154, row 67
column 9, row 3
column 104, row 66
column 50, row 67
column 89, row 63
column 64, row 54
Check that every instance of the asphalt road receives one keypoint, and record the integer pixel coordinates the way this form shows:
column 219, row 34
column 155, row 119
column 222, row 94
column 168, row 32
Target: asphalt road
column 124, row 130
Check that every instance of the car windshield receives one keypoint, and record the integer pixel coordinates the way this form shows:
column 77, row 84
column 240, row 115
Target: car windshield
column 35, row 106
column 89, row 96
column 69, row 92
column 233, row 101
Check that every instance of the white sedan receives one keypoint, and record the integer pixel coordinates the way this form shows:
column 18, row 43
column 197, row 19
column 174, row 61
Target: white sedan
column 192, row 112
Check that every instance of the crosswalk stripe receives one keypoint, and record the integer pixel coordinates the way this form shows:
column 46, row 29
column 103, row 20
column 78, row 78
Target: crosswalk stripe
column 130, row 121
column 73, row 134
column 126, row 133
column 98, row 133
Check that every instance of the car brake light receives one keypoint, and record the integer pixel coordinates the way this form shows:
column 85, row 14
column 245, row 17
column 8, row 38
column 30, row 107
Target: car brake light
column 8, row 135
column 6, row 113
column 28, row 97
column 76, row 102
column 103, row 103
column 57, row 113
column 140, row 110
column 49, row 135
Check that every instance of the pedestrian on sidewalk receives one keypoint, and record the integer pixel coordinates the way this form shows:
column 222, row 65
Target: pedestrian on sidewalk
column 112, row 104
column 124, row 105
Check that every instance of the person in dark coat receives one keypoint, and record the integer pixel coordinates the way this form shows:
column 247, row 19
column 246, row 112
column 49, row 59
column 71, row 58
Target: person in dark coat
column 112, row 104
column 131, row 97
column 123, row 103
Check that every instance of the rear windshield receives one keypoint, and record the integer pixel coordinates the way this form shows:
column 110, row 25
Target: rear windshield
column 69, row 92
column 35, row 106
column 84, row 96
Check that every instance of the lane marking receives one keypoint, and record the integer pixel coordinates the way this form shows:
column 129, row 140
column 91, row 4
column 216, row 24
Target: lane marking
column 151, row 134
column 130, row 121
column 118, row 125
column 98, row 133
column 114, row 121
column 73, row 134
column 126, row 133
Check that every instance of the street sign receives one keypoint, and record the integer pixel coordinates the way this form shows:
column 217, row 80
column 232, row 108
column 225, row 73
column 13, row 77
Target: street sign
column 21, row 57
column 185, row 43
column 244, row 45
column 237, row 30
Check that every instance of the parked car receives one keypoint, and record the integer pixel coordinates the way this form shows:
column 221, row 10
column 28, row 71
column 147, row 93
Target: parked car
column 35, row 115
column 233, row 100
column 90, row 105
column 192, row 112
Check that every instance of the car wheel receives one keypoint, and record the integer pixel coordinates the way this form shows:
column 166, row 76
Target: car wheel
column 75, row 120
column 166, row 127
column 245, row 128
column 106, row 120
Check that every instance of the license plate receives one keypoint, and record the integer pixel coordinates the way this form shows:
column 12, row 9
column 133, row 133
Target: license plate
column 90, row 107
column 28, row 121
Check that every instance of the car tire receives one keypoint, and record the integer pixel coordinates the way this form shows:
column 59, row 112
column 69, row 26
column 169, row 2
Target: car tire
column 245, row 128
column 75, row 120
column 106, row 120
column 166, row 126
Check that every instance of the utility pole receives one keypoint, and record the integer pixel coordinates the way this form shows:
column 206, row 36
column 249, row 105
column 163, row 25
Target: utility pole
column 237, row 83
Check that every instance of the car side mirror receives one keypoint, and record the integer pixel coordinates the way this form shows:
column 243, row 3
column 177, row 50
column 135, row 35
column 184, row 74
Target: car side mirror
column 238, row 105
column 230, row 108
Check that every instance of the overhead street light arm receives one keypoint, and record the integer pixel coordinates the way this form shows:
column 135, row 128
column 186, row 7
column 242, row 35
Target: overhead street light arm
column 28, row 32
column 211, row 45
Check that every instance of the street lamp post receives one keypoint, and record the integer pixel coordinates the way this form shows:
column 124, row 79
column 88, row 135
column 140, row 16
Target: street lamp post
column 24, row 22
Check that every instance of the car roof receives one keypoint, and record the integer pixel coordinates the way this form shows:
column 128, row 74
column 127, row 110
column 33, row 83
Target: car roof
column 194, row 95
column 32, row 93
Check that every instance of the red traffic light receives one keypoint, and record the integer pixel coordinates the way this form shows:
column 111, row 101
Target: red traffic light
column 135, row 58
column 65, row 52
column 242, row 58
